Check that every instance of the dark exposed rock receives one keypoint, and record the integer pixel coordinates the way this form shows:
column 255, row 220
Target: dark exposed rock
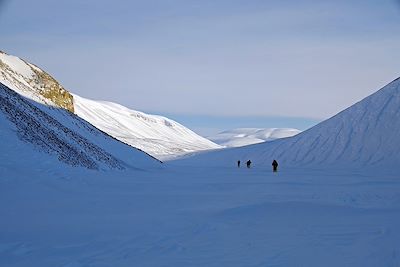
column 48, row 134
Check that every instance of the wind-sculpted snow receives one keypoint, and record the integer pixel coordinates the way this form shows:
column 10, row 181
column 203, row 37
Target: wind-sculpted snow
column 60, row 133
column 364, row 135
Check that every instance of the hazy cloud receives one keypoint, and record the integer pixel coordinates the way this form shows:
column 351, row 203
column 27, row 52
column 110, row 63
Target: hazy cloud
column 225, row 58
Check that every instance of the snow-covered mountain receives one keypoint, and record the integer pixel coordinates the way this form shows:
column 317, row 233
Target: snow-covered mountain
column 364, row 135
column 159, row 136
column 35, row 135
column 38, row 128
column 248, row 136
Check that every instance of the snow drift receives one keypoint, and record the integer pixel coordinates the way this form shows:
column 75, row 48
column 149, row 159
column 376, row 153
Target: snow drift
column 364, row 135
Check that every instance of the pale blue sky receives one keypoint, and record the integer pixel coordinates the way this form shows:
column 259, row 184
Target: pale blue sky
column 266, row 63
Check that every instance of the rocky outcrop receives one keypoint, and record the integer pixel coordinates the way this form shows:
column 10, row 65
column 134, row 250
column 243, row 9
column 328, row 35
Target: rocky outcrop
column 52, row 90
column 27, row 77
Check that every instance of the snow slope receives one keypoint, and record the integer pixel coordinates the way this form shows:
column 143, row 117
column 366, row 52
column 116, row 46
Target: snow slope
column 364, row 135
column 161, row 137
column 248, row 136
column 35, row 135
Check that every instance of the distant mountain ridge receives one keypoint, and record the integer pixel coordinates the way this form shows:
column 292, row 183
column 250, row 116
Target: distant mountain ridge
column 248, row 136
column 159, row 136
column 364, row 135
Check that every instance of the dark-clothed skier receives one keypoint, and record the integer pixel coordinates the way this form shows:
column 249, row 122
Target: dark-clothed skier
column 275, row 166
column 238, row 163
column 248, row 163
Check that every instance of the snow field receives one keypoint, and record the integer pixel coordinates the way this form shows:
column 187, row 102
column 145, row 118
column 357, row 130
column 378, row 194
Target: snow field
column 200, row 216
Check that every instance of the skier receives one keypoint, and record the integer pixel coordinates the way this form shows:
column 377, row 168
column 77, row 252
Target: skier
column 275, row 166
column 248, row 163
column 238, row 163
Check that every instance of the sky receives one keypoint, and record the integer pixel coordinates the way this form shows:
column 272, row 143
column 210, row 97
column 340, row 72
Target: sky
column 212, row 65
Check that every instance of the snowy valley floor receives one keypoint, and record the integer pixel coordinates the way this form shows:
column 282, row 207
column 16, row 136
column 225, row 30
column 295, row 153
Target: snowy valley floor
column 190, row 216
